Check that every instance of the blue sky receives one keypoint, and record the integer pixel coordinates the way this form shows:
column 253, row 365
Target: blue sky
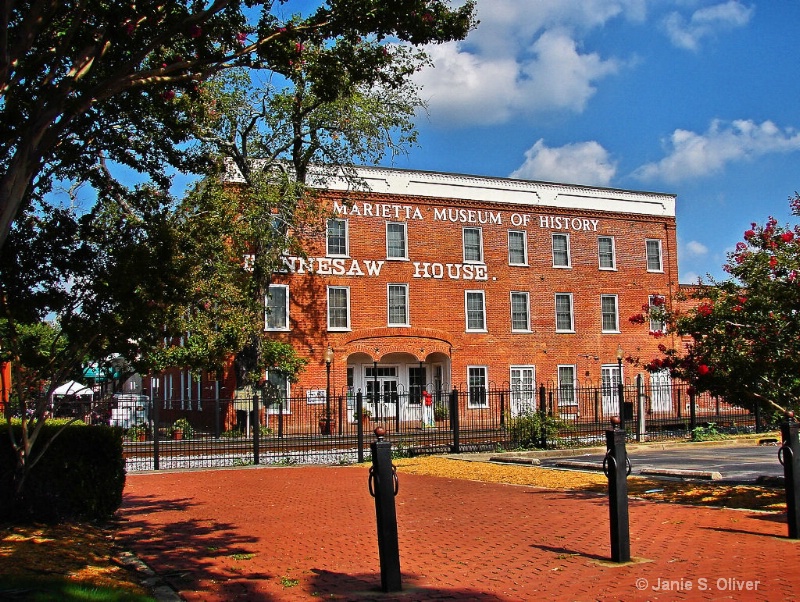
column 692, row 97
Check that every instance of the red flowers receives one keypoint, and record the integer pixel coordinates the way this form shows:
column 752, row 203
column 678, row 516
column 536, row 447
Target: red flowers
column 787, row 236
column 748, row 234
column 636, row 319
column 703, row 369
column 705, row 309
column 195, row 31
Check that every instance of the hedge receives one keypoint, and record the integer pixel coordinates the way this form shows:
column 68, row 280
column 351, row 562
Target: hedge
column 81, row 476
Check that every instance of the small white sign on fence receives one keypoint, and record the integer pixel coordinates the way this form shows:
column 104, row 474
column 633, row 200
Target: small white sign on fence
column 315, row 396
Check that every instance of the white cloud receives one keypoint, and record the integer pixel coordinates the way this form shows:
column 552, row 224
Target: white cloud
column 524, row 58
column 580, row 163
column 706, row 23
column 696, row 249
column 468, row 88
column 693, row 155
column 689, row 277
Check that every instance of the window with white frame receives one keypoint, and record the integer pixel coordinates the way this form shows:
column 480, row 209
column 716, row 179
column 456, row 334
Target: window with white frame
column 654, row 261
column 475, row 310
column 561, row 251
column 661, row 391
column 396, row 240
column 609, row 313
column 567, row 400
column 523, row 388
column 564, row 319
column 520, row 312
column 656, row 323
column 477, row 380
column 397, row 295
column 277, row 307
column 473, row 245
column 605, row 253
column 336, row 237
column 338, row 308
column 517, row 247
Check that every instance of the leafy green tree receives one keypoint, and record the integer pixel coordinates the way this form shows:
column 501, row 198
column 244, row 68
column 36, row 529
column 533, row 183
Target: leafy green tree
column 272, row 138
column 78, row 288
column 92, row 90
column 743, row 334
column 88, row 85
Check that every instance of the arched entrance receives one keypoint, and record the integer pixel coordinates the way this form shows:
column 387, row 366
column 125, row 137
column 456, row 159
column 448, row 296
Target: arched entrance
column 392, row 372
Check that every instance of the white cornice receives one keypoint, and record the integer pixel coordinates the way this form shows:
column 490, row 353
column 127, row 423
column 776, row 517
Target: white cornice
column 428, row 184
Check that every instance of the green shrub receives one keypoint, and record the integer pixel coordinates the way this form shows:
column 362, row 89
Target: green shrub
column 80, row 476
column 708, row 433
column 526, row 429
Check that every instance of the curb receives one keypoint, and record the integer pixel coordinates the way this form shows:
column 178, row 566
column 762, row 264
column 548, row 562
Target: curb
column 541, row 454
column 709, row 475
column 161, row 592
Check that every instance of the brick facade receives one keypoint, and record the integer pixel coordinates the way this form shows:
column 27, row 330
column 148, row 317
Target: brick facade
column 438, row 281
column 440, row 243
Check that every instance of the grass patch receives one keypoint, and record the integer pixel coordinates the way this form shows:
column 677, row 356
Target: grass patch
column 60, row 589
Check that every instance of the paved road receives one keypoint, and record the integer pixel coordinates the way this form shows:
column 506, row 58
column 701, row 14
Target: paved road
column 299, row 534
column 733, row 463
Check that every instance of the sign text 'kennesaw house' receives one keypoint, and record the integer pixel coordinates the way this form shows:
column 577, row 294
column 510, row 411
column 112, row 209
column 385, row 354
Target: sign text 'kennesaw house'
column 340, row 266
column 392, row 211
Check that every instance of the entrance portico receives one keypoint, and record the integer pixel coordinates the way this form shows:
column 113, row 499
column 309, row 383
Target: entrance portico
column 390, row 370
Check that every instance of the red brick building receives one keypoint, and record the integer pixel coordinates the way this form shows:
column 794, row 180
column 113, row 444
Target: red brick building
column 440, row 280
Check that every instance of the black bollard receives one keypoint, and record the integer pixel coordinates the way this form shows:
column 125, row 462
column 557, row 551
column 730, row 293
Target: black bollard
column 789, row 456
column 383, row 486
column 615, row 466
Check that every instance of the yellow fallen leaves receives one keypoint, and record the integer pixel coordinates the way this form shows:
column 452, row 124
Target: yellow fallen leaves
column 82, row 553
column 682, row 492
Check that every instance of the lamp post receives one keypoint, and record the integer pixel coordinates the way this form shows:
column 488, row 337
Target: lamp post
column 620, row 389
column 328, row 360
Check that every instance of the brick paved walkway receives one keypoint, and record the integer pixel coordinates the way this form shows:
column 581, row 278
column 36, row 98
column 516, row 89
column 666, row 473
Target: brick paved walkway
column 264, row 534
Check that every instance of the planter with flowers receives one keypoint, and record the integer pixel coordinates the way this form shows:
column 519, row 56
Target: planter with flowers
column 181, row 429
column 138, row 432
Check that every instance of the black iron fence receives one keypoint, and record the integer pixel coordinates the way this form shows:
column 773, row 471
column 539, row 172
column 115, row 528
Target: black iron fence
column 312, row 428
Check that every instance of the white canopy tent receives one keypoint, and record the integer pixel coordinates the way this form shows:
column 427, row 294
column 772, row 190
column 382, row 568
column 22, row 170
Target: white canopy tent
column 72, row 389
